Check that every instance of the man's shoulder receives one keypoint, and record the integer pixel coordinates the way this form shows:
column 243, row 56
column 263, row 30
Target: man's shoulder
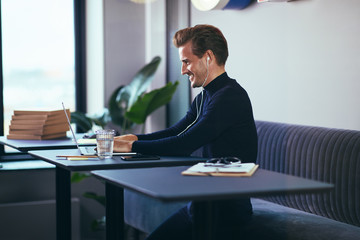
column 231, row 87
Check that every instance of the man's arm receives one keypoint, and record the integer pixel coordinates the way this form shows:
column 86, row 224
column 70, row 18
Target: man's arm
column 125, row 142
column 210, row 126
column 126, row 137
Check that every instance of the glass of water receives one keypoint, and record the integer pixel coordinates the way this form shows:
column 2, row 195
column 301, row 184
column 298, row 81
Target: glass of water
column 105, row 143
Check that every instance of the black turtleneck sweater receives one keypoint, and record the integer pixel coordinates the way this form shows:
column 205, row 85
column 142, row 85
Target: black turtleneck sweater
column 225, row 126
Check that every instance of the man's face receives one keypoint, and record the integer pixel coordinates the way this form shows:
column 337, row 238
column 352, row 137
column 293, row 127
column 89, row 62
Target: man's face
column 192, row 66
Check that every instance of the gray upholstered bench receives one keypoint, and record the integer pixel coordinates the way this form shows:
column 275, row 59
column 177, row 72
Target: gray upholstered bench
column 323, row 154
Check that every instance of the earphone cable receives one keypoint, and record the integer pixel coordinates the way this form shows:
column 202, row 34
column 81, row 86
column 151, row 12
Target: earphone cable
column 198, row 109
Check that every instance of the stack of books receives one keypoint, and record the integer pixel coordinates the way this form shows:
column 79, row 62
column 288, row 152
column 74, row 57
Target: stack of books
column 38, row 125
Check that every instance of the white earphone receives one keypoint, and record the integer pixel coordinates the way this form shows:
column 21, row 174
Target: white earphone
column 207, row 70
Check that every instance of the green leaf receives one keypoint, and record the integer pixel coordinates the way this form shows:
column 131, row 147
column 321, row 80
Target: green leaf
column 78, row 177
column 82, row 121
column 92, row 195
column 117, row 110
column 151, row 101
column 141, row 81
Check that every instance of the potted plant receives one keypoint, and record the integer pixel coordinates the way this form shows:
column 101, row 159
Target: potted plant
column 130, row 105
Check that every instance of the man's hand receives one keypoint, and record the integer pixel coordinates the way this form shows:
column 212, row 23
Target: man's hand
column 124, row 143
column 127, row 137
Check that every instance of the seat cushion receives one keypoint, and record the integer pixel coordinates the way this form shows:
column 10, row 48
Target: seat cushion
column 270, row 220
column 274, row 221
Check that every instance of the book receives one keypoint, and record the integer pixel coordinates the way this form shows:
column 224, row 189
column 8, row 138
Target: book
column 36, row 137
column 32, row 112
column 38, row 130
column 61, row 125
column 230, row 170
column 29, row 117
column 40, row 121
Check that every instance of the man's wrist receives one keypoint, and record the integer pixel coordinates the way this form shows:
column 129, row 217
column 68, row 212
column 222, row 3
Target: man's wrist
column 131, row 145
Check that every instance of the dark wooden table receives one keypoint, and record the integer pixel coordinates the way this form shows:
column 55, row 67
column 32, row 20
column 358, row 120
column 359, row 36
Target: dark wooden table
column 167, row 184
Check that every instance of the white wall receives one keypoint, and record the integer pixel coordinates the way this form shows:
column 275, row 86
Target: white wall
column 299, row 61
column 124, row 42
column 155, row 44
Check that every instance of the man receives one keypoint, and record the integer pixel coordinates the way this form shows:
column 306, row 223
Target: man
column 219, row 122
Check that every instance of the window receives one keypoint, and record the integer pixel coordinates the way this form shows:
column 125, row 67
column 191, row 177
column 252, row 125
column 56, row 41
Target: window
column 38, row 55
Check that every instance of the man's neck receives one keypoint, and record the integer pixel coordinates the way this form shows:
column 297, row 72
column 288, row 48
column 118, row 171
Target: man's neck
column 214, row 73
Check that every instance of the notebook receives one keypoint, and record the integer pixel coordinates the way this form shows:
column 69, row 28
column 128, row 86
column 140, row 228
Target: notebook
column 88, row 150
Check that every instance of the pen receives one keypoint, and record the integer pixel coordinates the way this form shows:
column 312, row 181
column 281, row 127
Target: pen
column 76, row 158
column 61, row 156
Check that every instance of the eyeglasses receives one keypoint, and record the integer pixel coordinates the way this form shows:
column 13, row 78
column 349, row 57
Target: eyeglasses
column 223, row 162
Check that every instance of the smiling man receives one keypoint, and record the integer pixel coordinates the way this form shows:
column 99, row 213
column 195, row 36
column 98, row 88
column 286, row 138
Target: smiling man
column 199, row 68
column 219, row 123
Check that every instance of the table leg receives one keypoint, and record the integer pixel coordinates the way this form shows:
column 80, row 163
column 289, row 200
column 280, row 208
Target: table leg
column 204, row 220
column 63, row 204
column 114, row 212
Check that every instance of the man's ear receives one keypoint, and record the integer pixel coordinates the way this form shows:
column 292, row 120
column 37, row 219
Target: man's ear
column 210, row 56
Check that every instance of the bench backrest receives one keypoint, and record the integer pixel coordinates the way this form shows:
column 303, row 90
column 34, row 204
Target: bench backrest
column 323, row 154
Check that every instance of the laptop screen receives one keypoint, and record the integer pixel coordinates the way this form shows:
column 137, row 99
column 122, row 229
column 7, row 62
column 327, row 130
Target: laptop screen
column 72, row 131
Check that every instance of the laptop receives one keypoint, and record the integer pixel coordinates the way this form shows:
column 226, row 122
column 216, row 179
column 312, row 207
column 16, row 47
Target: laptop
column 88, row 150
